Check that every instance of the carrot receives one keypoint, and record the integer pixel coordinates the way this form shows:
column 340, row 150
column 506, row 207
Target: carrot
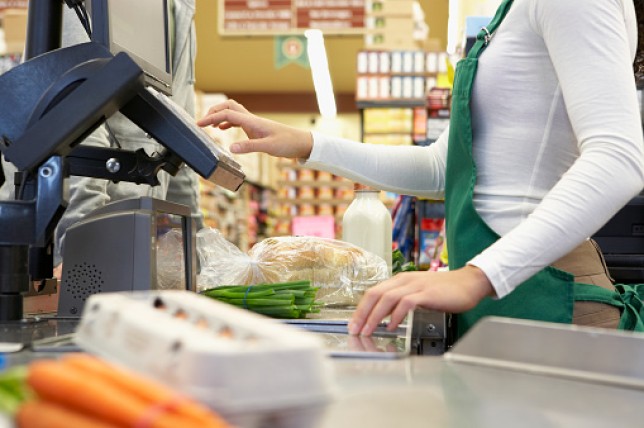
column 41, row 414
column 73, row 388
column 147, row 390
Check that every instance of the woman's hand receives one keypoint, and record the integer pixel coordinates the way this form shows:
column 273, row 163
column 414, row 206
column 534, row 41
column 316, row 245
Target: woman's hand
column 453, row 291
column 264, row 135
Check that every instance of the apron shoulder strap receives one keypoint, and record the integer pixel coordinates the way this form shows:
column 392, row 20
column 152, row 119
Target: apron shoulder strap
column 485, row 35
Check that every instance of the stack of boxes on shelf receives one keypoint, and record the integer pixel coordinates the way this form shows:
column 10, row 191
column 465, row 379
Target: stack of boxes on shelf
column 390, row 24
column 310, row 202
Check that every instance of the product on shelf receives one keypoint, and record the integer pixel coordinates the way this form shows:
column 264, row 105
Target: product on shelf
column 430, row 243
column 325, row 210
column 306, row 192
column 307, row 209
column 324, row 176
column 398, row 75
column 289, row 174
column 306, row 175
column 310, row 193
column 325, row 192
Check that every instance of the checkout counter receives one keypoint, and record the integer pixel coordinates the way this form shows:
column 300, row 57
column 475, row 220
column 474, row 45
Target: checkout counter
column 503, row 373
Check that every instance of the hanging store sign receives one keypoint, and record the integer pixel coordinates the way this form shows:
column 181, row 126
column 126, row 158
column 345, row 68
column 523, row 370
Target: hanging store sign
column 290, row 49
column 275, row 17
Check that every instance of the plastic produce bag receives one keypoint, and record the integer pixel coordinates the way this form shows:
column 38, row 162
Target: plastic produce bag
column 170, row 261
column 342, row 271
column 221, row 262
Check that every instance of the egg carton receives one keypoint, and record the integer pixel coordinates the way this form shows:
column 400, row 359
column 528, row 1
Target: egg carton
column 247, row 367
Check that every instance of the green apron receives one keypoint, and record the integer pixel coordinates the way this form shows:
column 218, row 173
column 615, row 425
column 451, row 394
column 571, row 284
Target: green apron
column 550, row 294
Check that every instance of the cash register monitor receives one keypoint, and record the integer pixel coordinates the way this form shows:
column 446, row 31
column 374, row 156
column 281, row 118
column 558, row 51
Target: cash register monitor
column 142, row 29
column 139, row 28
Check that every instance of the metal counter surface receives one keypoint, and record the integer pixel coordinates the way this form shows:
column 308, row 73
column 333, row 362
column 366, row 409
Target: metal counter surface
column 433, row 391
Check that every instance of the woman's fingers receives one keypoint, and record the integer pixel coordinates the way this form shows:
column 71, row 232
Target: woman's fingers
column 250, row 146
column 406, row 304
column 264, row 135
column 368, row 344
column 207, row 118
column 234, row 105
column 369, row 301
column 454, row 291
column 393, row 300
column 354, row 343
column 222, row 116
column 230, row 108
column 228, row 104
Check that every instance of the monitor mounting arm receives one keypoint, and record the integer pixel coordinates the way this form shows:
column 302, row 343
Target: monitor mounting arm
column 43, row 151
column 52, row 102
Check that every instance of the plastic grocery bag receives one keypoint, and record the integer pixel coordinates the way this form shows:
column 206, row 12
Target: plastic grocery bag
column 170, row 261
column 342, row 271
column 221, row 262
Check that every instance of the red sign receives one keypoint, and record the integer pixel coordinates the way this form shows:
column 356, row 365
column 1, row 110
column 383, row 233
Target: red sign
column 322, row 226
column 263, row 17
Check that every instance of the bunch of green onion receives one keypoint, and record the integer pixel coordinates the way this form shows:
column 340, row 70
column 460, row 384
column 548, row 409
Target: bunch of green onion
column 287, row 300
column 13, row 389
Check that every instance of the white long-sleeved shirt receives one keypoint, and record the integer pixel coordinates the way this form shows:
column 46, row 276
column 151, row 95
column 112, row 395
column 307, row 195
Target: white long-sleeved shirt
column 557, row 135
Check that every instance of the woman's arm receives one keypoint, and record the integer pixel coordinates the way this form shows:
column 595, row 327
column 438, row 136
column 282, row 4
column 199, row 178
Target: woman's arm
column 411, row 170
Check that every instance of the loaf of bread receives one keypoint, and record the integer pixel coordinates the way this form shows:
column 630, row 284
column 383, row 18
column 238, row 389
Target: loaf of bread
column 341, row 270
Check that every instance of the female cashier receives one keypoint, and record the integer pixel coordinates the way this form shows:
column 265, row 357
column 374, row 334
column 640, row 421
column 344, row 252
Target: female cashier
column 544, row 147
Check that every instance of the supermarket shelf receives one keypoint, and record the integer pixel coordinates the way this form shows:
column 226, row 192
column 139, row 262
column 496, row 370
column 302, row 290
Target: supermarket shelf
column 298, row 201
column 338, row 217
column 410, row 132
column 316, row 183
column 407, row 102
column 295, row 177
column 400, row 73
column 292, row 165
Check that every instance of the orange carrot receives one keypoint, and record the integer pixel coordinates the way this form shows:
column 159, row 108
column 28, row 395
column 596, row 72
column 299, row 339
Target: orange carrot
column 41, row 414
column 146, row 389
column 73, row 388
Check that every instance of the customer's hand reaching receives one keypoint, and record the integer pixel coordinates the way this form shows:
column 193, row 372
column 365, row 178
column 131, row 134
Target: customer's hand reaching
column 264, row 135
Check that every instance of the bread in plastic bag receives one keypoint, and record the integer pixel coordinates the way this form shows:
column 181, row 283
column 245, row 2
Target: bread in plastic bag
column 342, row 271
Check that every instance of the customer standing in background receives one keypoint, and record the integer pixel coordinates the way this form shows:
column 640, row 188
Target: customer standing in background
column 87, row 193
column 544, row 146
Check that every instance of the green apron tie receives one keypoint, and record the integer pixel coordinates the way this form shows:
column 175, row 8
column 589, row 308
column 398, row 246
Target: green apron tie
column 550, row 294
column 633, row 314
